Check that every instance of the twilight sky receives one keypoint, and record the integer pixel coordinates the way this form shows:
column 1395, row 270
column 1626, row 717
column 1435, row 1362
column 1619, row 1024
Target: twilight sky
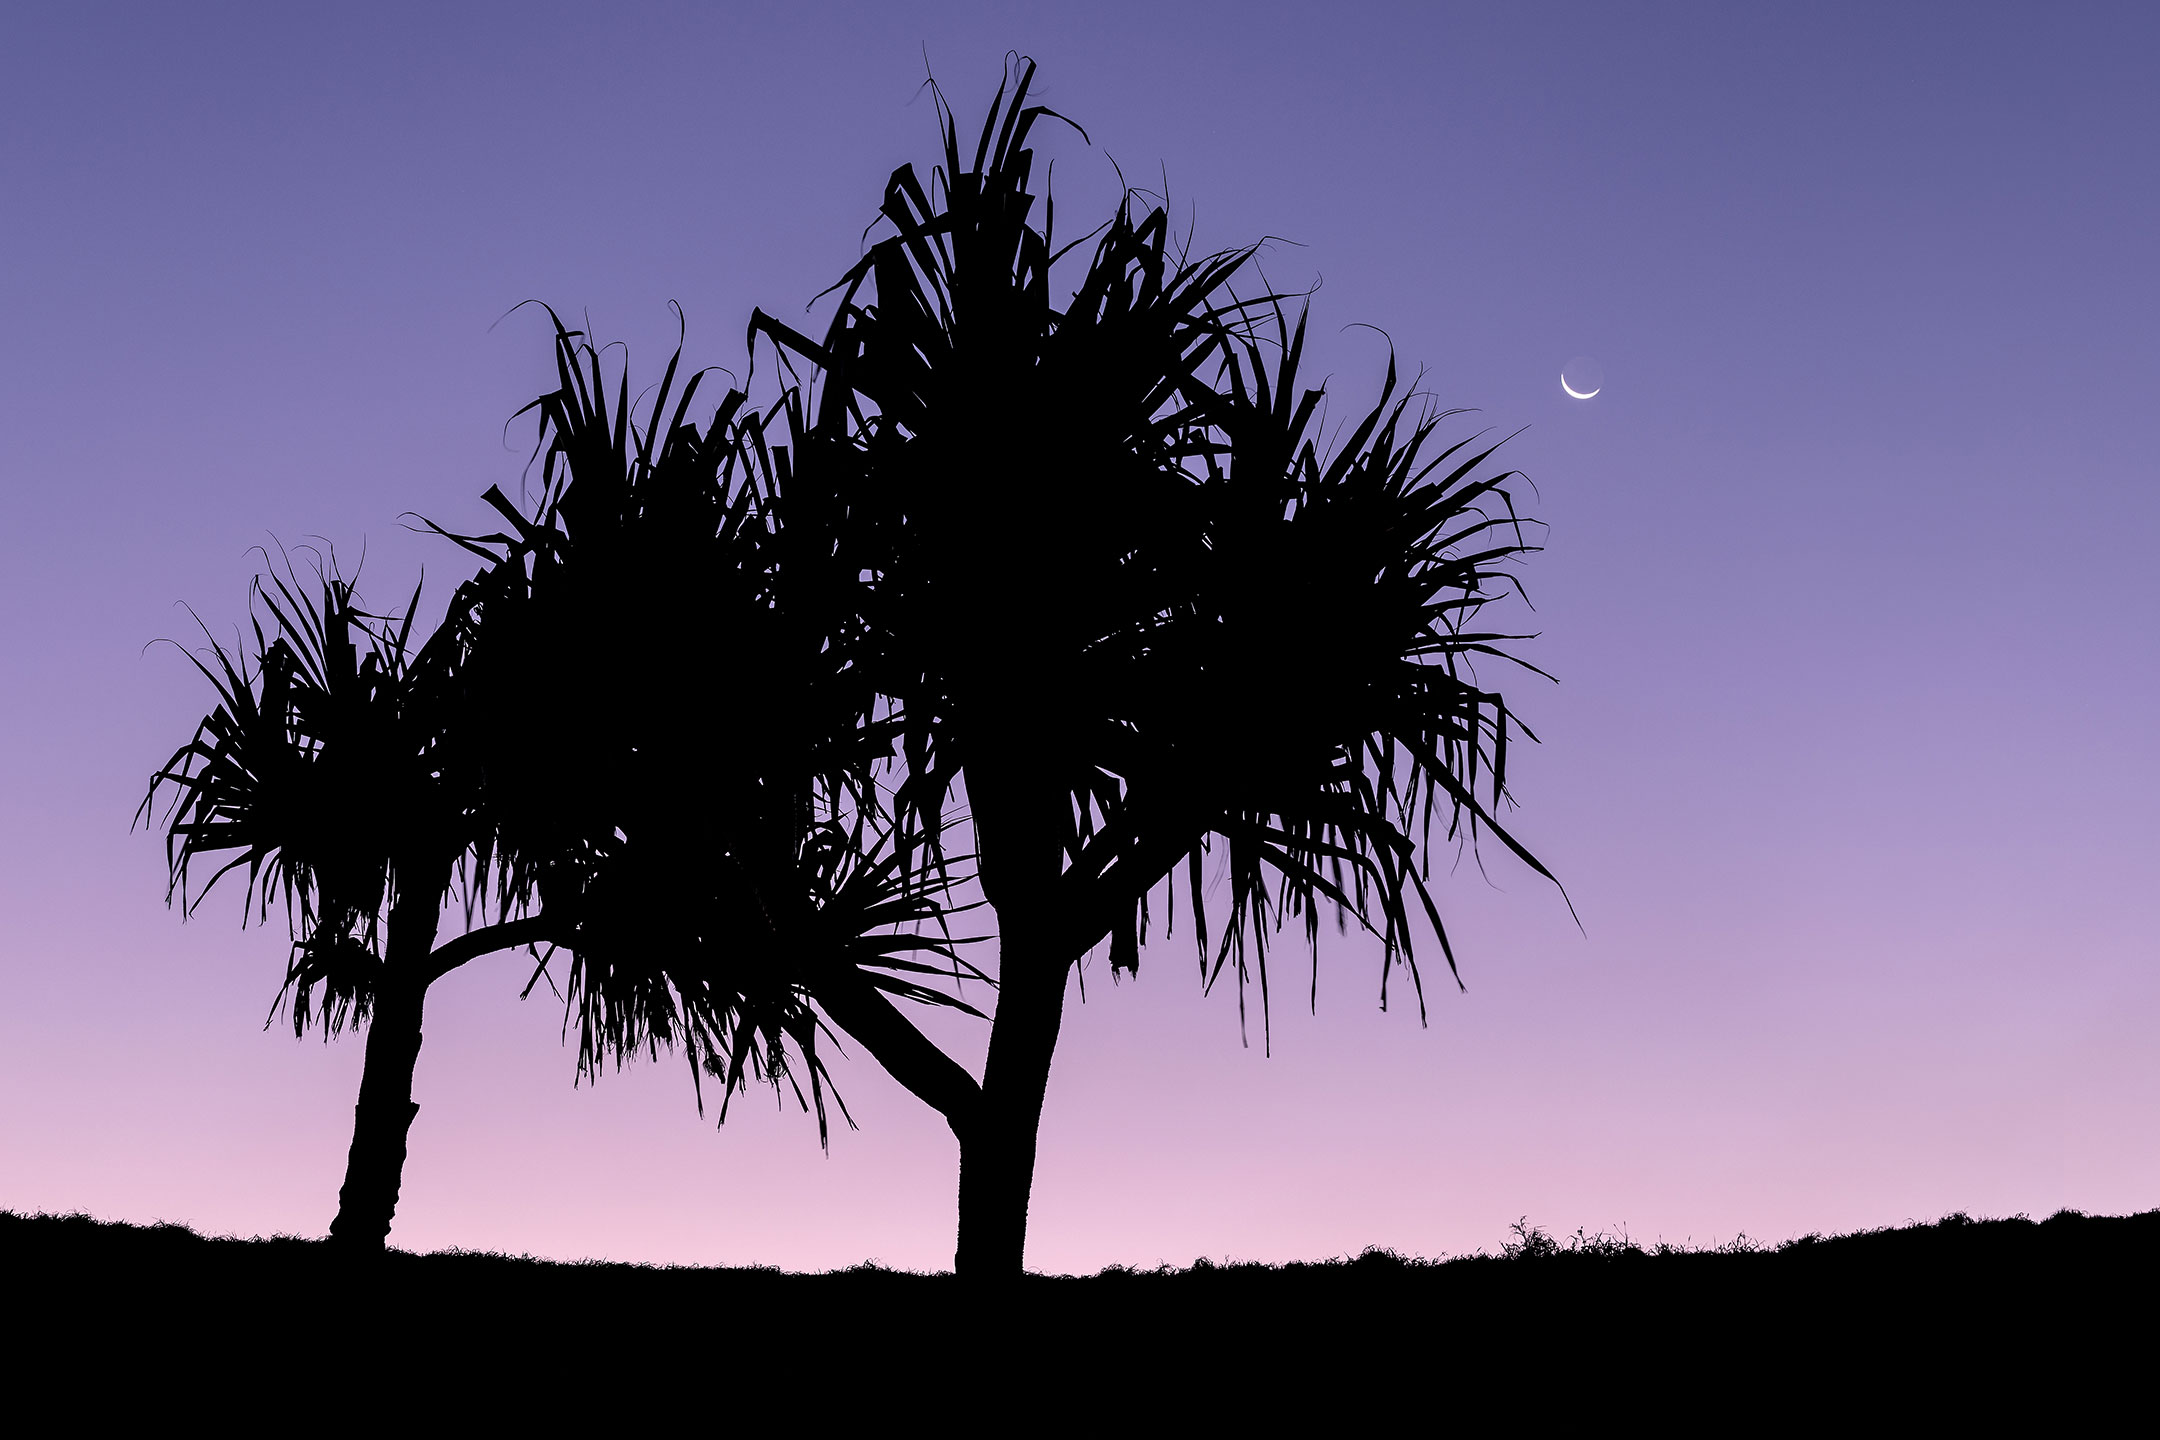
column 1850, row 589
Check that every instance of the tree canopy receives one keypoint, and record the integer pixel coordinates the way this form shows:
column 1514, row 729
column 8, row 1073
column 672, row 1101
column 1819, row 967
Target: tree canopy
column 1062, row 593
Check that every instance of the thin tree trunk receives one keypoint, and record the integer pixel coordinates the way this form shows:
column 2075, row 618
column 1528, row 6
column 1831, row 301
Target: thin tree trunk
column 375, row 1165
column 997, row 1153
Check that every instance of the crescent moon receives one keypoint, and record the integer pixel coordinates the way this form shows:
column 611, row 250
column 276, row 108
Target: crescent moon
column 1578, row 394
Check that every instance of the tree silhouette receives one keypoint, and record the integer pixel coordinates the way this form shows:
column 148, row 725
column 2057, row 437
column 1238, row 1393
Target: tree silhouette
column 1035, row 568
column 637, row 755
column 679, row 750
column 1100, row 536
column 327, row 766
column 633, row 750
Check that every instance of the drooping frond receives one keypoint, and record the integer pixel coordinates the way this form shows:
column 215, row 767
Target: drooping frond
column 1362, row 571
column 677, row 735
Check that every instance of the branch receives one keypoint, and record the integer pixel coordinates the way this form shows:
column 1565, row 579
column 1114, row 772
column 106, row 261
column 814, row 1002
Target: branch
column 857, row 1006
column 509, row 935
column 1114, row 871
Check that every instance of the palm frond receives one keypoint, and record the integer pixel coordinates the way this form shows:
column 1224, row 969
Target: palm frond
column 678, row 746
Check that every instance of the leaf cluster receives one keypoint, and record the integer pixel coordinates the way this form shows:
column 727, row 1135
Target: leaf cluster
column 322, row 772
column 681, row 754
column 1123, row 575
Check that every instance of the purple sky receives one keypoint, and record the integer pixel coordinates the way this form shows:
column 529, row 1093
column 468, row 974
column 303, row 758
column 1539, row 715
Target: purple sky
column 1850, row 589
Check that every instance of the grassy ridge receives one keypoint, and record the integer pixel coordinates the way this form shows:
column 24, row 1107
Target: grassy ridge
column 2065, row 1242
column 1959, row 1311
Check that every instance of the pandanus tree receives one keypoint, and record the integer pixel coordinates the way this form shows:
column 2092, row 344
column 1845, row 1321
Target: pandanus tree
column 1133, row 611
column 638, row 737
column 326, row 775
column 680, row 752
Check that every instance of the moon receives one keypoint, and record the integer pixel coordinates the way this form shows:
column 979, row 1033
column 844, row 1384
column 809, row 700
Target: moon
column 1582, row 377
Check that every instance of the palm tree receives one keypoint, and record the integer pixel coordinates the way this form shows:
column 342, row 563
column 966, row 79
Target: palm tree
column 678, row 751
column 1096, row 534
column 325, row 773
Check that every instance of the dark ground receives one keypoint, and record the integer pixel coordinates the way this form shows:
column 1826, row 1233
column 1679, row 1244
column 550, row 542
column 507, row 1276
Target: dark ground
column 1972, row 1318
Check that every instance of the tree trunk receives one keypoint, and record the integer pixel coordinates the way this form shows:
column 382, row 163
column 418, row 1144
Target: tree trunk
column 997, row 1153
column 375, row 1166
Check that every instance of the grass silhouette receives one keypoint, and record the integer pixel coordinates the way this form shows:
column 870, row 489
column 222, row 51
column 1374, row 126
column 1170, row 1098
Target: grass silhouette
column 67, row 1247
column 1919, row 1320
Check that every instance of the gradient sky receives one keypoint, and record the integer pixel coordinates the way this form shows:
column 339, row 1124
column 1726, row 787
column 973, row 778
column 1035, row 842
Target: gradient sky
column 1850, row 590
